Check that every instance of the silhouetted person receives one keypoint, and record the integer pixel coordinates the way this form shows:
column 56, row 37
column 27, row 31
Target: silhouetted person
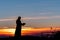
column 18, row 28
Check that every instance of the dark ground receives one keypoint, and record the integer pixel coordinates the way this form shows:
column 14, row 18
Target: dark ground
column 30, row 38
column 55, row 37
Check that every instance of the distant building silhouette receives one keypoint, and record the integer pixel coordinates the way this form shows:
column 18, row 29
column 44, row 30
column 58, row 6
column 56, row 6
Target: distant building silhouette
column 18, row 28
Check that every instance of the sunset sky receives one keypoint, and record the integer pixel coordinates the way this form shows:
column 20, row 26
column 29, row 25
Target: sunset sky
column 35, row 13
column 39, row 16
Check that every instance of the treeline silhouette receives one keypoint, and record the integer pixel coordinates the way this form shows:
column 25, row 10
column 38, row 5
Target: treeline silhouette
column 18, row 36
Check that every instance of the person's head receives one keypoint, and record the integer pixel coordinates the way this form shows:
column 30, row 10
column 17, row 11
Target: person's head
column 19, row 17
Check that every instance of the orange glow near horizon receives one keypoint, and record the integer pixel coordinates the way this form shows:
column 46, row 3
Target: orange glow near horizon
column 29, row 31
column 7, row 32
column 26, row 31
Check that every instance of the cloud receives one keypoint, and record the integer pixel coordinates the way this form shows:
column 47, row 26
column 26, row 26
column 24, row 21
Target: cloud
column 41, row 17
column 31, row 18
column 7, row 19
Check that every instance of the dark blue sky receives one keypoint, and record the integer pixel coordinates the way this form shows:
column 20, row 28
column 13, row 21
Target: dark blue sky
column 29, row 8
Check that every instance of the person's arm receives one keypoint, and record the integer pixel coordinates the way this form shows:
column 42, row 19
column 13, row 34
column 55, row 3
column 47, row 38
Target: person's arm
column 23, row 24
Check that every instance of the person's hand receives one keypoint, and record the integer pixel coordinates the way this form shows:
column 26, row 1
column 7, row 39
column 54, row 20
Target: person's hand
column 23, row 24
